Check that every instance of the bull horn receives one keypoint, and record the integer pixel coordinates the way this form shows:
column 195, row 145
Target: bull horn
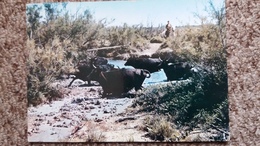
column 149, row 74
column 94, row 66
column 170, row 64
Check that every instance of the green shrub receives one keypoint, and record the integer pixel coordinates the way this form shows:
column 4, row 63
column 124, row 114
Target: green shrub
column 44, row 66
column 192, row 102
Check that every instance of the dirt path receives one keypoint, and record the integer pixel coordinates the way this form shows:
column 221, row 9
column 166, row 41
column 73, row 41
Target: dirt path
column 153, row 47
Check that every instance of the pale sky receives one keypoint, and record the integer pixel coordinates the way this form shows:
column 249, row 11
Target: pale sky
column 178, row 12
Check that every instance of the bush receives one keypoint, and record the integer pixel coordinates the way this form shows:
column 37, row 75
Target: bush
column 201, row 44
column 43, row 66
column 157, row 39
column 201, row 100
column 160, row 129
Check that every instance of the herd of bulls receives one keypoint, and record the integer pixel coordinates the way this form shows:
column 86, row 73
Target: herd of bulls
column 116, row 81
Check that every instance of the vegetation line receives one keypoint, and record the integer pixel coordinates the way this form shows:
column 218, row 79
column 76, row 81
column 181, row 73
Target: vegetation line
column 105, row 48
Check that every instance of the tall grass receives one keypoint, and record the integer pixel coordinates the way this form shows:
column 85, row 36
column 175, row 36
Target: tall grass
column 201, row 44
column 43, row 66
column 160, row 129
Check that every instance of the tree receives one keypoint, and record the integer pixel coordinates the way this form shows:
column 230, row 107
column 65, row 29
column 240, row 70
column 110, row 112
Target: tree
column 219, row 15
column 33, row 19
column 51, row 11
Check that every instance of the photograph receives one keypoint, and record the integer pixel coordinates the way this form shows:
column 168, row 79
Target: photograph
column 127, row 71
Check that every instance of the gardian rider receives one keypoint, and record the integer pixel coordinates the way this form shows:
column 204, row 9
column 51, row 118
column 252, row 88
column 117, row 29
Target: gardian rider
column 168, row 29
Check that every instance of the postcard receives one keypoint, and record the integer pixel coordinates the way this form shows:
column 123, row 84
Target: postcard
column 127, row 71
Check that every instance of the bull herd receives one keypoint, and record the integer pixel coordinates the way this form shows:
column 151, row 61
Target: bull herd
column 117, row 81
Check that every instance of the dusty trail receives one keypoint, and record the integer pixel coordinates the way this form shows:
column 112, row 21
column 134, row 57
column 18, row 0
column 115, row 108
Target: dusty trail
column 82, row 114
column 153, row 47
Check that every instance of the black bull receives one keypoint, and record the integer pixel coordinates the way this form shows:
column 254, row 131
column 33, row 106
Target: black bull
column 85, row 68
column 177, row 71
column 119, row 81
column 98, row 61
column 150, row 64
column 173, row 71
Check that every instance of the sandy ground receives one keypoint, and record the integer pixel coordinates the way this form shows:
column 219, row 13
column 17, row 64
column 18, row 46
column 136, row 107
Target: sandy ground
column 82, row 115
column 153, row 47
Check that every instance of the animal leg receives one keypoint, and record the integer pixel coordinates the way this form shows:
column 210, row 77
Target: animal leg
column 72, row 82
column 104, row 94
column 138, row 88
column 89, row 82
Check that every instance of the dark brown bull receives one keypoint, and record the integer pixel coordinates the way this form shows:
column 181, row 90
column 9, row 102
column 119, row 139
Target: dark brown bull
column 119, row 81
column 98, row 61
column 85, row 68
column 150, row 64
column 81, row 74
column 177, row 71
column 134, row 78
